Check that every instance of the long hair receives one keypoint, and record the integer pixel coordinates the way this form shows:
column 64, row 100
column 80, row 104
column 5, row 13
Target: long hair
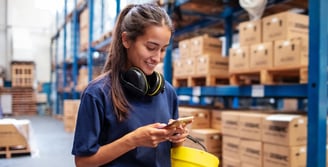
column 134, row 20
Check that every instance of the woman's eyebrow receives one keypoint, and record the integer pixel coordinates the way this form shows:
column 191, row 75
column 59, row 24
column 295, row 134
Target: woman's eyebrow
column 157, row 44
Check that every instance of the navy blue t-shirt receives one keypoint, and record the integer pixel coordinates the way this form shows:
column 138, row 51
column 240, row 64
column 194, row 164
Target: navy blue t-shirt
column 97, row 124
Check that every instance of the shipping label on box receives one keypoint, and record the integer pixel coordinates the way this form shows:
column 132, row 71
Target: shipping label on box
column 239, row 59
column 250, row 33
column 292, row 52
column 251, row 152
column 282, row 156
column 212, row 64
column 201, row 117
column 285, row 25
column 261, row 56
column 231, row 147
column 230, row 123
column 201, row 45
column 285, row 129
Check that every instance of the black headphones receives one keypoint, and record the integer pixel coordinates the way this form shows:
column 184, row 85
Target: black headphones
column 135, row 81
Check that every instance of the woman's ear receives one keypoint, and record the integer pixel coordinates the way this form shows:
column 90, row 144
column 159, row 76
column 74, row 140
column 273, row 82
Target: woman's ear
column 125, row 40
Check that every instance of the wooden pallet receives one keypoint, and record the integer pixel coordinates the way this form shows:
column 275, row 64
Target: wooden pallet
column 24, row 101
column 9, row 151
column 208, row 80
column 272, row 76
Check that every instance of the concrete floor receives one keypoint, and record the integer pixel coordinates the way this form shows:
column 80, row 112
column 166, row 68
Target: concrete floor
column 51, row 145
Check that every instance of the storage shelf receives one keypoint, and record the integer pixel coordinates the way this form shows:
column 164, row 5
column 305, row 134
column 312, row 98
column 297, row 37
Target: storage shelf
column 295, row 91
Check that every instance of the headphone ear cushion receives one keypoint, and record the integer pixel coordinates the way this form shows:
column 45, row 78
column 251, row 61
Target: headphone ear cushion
column 135, row 81
column 156, row 83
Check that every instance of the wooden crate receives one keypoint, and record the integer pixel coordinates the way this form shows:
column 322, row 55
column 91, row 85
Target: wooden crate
column 23, row 73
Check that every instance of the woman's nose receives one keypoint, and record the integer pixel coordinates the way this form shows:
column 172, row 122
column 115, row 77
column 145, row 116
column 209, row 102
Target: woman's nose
column 157, row 56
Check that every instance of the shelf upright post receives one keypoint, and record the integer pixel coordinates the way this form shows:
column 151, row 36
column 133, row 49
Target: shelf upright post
column 64, row 52
column 167, row 64
column 75, row 30
column 90, row 51
column 56, row 109
column 317, row 84
column 118, row 8
column 228, row 29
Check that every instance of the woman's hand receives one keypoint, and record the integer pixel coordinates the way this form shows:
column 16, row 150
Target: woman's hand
column 150, row 135
column 180, row 134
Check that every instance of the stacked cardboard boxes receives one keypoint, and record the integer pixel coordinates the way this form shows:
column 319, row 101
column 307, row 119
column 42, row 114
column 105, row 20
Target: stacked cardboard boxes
column 200, row 56
column 276, row 42
column 263, row 139
column 71, row 107
column 201, row 129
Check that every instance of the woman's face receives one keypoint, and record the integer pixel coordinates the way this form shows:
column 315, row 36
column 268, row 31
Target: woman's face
column 148, row 50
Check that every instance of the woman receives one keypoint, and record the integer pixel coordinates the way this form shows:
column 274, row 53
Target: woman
column 123, row 112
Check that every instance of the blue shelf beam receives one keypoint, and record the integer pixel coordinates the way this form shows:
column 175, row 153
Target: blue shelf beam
column 317, row 87
column 295, row 91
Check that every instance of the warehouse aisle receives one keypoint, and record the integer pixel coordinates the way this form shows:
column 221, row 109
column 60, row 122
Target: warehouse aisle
column 50, row 144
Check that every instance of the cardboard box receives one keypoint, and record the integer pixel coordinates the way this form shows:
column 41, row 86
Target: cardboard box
column 230, row 162
column 261, row 56
column 2, row 82
column 282, row 156
column 251, row 152
column 71, row 107
column 216, row 119
column 292, row 52
column 250, row 33
column 230, row 123
column 211, row 139
column 285, row 129
column 212, row 64
column 184, row 48
column 204, row 44
column 239, row 59
column 84, row 19
column 250, row 125
column 201, row 117
column 231, row 147
column 14, row 132
column 41, row 98
column 189, row 65
column 178, row 68
column 285, row 25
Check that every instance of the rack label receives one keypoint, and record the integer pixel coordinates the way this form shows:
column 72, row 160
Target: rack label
column 257, row 91
column 196, row 91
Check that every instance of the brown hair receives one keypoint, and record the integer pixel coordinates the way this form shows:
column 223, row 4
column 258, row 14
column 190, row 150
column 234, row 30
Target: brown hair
column 134, row 20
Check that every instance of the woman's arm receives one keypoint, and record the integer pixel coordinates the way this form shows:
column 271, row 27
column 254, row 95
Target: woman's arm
column 147, row 136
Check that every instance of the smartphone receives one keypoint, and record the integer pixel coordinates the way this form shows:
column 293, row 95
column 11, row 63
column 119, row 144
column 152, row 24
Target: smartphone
column 180, row 121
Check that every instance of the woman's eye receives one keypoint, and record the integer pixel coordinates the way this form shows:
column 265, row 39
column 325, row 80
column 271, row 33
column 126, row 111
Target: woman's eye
column 151, row 48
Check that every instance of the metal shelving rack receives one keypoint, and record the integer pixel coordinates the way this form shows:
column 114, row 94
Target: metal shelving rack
column 72, row 18
column 315, row 91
